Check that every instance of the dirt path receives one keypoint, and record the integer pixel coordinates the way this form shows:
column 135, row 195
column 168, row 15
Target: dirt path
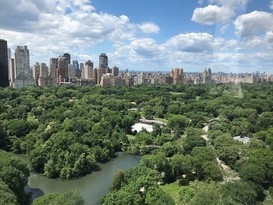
column 229, row 174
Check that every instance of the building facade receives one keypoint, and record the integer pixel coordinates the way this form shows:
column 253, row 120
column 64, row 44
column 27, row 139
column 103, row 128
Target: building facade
column 103, row 61
column 53, row 67
column 115, row 71
column 68, row 57
column 43, row 75
column 36, row 72
column 177, row 75
column 23, row 76
column 21, row 60
column 88, row 69
column 4, row 76
column 62, row 70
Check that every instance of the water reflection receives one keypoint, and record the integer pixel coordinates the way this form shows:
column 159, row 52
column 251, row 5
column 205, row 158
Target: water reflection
column 93, row 186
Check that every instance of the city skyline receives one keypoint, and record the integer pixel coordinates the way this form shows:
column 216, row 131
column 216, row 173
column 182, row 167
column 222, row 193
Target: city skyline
column 229, row 36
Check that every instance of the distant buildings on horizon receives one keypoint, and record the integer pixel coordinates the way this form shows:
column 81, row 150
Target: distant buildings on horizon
column 16, row 72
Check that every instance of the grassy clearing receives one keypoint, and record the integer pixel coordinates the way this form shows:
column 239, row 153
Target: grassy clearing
column 173, row 190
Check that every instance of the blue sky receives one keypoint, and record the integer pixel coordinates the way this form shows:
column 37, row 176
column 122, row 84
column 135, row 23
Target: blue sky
column 146, row 35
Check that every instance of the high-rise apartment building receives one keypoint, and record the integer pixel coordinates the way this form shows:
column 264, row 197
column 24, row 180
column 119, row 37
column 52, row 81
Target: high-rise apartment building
column 43, row 75
column 11, row 71
column 71, row 73
column 36, row 72
column 100, row 73
column 140, row 78
column 95, row 75
column 68, row 57
column 75, row 64
column 115, row 71
column 106, row 80
column 103, row 61
column 206, row 76
column 4, row 76
column 21, row 60
column 177, row 75
column 53, row 66
column 62, row 71
column 88, row 69
column 23, row 76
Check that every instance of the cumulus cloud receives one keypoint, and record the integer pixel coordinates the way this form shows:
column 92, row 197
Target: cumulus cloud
column 254, row 23
column 50, row 28
column 58, row 26
column 149, row 28
column 218, row 11
column 233, row 4
column 211, row 14
column 192, row 42
column 145, row 47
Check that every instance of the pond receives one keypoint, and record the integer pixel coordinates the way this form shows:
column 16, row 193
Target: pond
column 93, row 186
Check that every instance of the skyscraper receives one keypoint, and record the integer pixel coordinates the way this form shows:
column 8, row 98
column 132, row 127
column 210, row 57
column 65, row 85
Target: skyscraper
column 115, row 71
column 36, row 72
column 4, row 78
column 67, row 56
column 12, row 71
column 43, row 75
column 88, row 69
column 23, row 76
column 75, row 64
column 21, row 60
column 53, row 70
column 62, row 72
column 103, row 61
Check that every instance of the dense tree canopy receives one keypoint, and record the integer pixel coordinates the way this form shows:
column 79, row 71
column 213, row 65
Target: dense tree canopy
column 65, row 131
column 13, row 178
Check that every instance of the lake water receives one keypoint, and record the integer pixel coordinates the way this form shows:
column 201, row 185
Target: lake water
column 93, row 186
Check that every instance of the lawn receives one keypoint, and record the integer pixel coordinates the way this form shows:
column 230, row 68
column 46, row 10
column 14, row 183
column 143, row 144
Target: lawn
column 173, row 190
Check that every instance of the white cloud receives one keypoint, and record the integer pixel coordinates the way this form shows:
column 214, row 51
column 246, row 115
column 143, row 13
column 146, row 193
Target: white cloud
column 233, row 4
column 192, row 42
column 211, row 14
column 218, row 11
column 149, row 28
column 254, row 23
column 50, row 28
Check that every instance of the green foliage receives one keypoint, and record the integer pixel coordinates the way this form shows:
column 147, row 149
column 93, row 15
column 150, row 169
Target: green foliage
column 240, row 192
column 7, row 197
column 118, row 180
column 139, row 187
column 192, row 141
column 13, row 178
column 200, row 193
column 178, row 123
column 65, row 131
column 68, row 198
